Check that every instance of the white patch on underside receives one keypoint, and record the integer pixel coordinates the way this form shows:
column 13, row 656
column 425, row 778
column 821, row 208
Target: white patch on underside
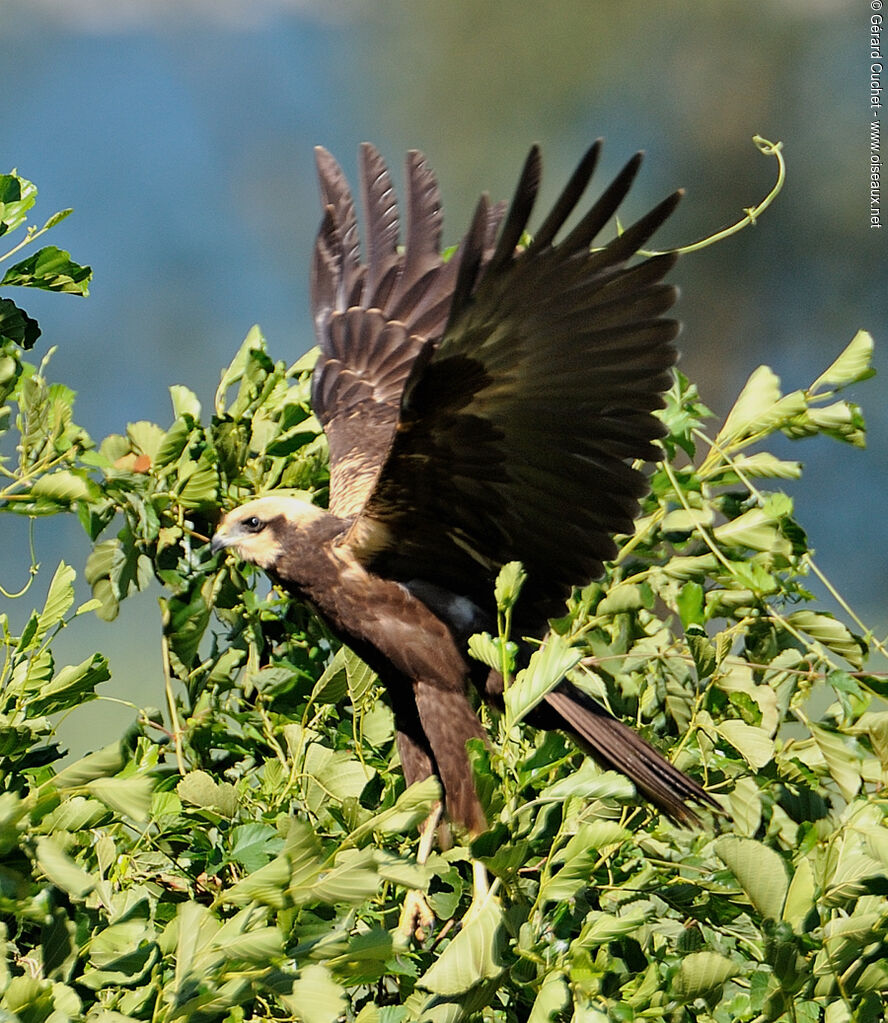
column 462, row 612
column 458, row 611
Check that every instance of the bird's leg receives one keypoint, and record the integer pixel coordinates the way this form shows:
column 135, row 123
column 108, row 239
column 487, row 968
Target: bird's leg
column 416, row 915
column 416, row 760
column 434, row 741
column 427, row 833
column 480, row 883
column 448, row 722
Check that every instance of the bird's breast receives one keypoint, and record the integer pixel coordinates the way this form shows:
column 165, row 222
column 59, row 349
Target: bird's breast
column 388, row 623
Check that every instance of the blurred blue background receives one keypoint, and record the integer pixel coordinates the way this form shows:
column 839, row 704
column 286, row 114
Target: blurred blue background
column 182, row 133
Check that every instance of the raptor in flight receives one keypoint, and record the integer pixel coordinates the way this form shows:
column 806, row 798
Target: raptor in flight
column 479, row 409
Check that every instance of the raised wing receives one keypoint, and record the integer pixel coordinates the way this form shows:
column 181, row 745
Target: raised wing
column 515, row 437
column 375, row 318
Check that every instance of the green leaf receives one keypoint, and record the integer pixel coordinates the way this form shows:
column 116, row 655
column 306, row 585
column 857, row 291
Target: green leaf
column 76, row 814
column 759, row 408
column 185, row 621
column 839, row 753
column 703, row 651
column 843, row 421
column 198, row 486
column 145, row 437
column 184, row 402
column 254, row 342
column 171, row 445
column 800, row 898
column 874, row 724
column 105, row 562
column 127, row 948
column 474, row 955
column 16, row 326
column 831, row 633
column 359, row 676
column 548, row 666
column 748, row 580
column 595, row 835
column 579, row 857
column 759, row 870
column 590, row 782
column 509, row 581
column 488, row 650
column 746, row 807
column 693, row 567
column 316, row 997
column 763, row 465
column 686, row 520
column 553, row 998
column 410, row 809
column 702, row 975
column 241, row 940
column 690, row 604
column 266, row 885
column 252, row 845
column 201, row 789
column 71, row 685
column 603, row 928
column 755, row 529
column 101, row 764
column 404, row 872
column 365, row 960
column 622, row 598
column 65, row 487
column 352, row 878
column 130, row 797
column 58, row 600
column 62, row 871
column 27, row 999
column 342, row 777
column 196, row 928
column 753, row 743
column 50, row 269
column 57, row 218
column 854, row 364
column 17, row 196
column 332, row 686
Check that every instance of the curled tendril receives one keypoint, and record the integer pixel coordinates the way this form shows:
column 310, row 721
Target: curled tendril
column 752, row 213
column 32, row 568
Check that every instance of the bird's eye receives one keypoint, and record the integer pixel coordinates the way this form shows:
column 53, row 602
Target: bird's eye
column 253, row 524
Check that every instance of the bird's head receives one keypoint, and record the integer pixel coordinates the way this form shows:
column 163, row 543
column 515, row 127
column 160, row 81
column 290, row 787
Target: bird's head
column 258, row 531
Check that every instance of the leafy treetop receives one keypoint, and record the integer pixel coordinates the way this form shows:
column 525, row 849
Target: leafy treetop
column 246, row 856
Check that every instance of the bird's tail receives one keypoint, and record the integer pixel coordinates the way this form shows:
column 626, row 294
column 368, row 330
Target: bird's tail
column 614, row 745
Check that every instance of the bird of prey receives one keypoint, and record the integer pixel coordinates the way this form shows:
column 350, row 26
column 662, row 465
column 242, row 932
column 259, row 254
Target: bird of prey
column 479, row 409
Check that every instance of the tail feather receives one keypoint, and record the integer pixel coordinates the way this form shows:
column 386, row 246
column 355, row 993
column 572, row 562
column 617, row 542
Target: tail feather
column 614, row 745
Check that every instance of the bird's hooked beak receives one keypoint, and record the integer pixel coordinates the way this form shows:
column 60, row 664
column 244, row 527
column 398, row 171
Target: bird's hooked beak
column 224, row 537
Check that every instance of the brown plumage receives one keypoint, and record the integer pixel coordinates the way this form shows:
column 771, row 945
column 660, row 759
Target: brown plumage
column 479, row 410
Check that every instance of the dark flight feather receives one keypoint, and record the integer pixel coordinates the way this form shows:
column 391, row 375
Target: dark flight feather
column 566, row 202
column 519, row 212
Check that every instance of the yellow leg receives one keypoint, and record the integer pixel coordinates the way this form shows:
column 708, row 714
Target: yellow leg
column 480, row 884
column 417, row 918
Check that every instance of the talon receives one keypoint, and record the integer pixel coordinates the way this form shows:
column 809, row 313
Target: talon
column 417, row 918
